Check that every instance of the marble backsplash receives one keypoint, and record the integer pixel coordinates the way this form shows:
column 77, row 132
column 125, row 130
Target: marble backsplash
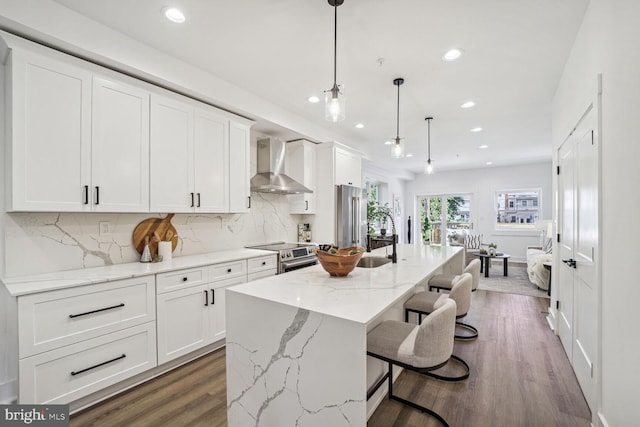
column 47, row 242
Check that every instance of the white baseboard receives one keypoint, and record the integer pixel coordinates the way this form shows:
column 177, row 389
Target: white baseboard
column 602, row 422
column 551, row 320
column 9, row 392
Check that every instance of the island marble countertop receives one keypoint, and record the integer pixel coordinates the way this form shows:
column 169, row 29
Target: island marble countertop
column 24, row 285
column 363, row 294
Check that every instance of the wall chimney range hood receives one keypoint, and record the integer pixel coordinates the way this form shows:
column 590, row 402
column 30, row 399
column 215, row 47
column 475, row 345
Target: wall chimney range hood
column 271, row 177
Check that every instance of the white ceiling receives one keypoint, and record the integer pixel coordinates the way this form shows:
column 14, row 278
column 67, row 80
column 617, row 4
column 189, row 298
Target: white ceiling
column 282, row 50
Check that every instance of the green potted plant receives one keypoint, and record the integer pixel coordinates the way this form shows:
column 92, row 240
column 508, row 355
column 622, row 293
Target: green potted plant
column 492, row 249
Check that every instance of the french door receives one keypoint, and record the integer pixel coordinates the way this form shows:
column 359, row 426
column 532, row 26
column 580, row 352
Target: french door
column 443, row 217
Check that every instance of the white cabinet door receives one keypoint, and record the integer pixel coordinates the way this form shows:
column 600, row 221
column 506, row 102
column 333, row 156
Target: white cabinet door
column 211, row 164
column 300, row 165
column 183, row 319
column 171, row 155
column 348, row 168
column 239, row 161
column 49, row 116
column 120, row 147
column 217, row 312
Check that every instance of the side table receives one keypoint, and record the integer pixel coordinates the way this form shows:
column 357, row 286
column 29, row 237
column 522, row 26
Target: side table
column 547, row 266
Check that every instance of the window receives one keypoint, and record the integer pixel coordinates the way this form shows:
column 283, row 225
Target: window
column 517, row 209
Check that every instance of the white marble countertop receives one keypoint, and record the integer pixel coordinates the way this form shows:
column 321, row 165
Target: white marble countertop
column 360, row 296
column 24, row 285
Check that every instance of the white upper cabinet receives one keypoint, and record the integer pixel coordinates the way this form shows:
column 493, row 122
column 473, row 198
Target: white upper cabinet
column 300, row 165
column 348, row 168
column 199, row 158
column 79, row 141
column 171, row 155
column 239, row 170
column 119, row 147
column 83, row 138
column 211, row 161
column 49, row 147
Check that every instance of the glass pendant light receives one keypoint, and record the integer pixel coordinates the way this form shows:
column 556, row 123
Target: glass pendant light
column 334, row 99
column 428, row 166
column 397, row 148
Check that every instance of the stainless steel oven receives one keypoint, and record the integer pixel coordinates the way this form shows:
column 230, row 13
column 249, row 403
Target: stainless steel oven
column 291, row 256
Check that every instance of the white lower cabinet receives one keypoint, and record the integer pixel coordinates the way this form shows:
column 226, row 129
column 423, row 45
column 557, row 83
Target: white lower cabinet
column 77, row 341
column 68, row 373
column 193, row 315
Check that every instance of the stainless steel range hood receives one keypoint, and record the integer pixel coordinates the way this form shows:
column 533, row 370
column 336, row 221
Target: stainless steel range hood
column 271, row 177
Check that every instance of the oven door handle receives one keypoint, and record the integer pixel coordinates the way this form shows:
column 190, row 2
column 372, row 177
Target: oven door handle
column 298, row 262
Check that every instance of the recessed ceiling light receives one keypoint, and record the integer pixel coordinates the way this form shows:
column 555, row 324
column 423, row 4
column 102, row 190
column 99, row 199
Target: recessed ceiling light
column 388, row 142
column 489, row 163
column 468, row 104
column 452, row 55
column 409, row 155
column 478, row 129
column 174, row 15
column 359, row 125
column 313, row 99
column 483, row 146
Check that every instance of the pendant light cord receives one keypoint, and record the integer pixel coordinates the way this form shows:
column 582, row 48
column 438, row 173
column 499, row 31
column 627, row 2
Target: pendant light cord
column 429, row 140
column 335, row 42
column 398, row 116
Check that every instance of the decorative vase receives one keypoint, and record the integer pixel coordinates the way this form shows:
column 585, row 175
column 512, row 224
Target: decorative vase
column 492, row 251
column 383, row 232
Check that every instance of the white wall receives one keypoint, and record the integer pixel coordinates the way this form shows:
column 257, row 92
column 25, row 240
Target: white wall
column 607, row 44
column 482, row 185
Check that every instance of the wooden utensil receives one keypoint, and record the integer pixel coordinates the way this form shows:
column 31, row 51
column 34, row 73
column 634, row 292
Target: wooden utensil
column 154, row 226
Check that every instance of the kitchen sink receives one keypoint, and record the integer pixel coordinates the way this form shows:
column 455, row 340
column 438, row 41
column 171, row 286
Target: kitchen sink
column 372, row 261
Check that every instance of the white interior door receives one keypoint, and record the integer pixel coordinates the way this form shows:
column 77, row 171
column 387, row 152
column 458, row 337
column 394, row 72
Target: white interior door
column 577, row 274
column 585, row 344
column 566, row 220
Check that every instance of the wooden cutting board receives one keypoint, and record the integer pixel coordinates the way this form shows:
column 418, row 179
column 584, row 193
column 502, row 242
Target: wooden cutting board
column 159, row 227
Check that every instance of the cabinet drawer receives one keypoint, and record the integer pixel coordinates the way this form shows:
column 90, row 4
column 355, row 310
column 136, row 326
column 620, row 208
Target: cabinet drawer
column 262, row 263
column 173, row 280
column 66, row 374
column 228, row 270
column 49, row 320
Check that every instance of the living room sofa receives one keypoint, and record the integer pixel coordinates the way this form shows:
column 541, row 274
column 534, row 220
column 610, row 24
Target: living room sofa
column 536, row 256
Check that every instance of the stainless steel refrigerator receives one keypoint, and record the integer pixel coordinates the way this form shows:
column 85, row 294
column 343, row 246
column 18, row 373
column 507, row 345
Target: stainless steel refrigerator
column 351, row 222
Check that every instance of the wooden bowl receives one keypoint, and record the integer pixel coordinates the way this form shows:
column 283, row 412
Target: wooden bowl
column 340, row 264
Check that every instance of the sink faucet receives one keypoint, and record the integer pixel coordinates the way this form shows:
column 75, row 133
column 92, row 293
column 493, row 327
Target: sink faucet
column 387, row 212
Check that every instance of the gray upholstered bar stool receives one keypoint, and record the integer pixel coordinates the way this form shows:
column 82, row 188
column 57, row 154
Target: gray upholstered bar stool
column 419, row 348
column 426, row 301
column 445, row 281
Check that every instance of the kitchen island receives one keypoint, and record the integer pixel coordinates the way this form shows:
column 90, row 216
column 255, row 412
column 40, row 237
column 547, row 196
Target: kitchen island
column 296, row 343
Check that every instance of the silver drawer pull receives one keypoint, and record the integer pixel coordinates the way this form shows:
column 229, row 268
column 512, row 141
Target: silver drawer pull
column 98, row 365
column 96, row 311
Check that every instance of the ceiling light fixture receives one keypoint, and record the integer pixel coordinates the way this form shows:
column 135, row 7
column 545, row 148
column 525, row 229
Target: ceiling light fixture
column 478, row 129
column 388, row 142
column 483, row 146
column 489, row 163
column 468, row 104
column 397, row 150
column 174, row 15
column 452, row 55
column 359, row 125
column 313, row 99
column 428, row 166
column 334, row 107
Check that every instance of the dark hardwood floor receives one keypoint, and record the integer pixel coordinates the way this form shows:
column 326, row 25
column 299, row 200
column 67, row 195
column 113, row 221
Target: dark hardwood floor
column 520, row 376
